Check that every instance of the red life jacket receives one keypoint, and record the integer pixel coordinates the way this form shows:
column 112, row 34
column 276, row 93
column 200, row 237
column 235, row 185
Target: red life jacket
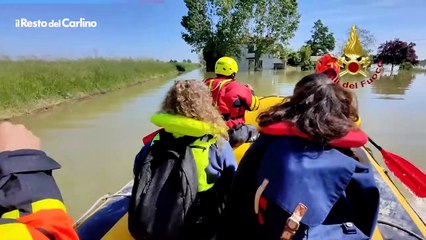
column 232, row 99
column 354, row 138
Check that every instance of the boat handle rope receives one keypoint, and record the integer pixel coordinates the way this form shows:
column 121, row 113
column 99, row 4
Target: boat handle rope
column 97, row 204
column 401, row 228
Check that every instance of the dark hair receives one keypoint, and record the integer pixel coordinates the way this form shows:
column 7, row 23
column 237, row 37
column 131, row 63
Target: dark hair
column 319, row 107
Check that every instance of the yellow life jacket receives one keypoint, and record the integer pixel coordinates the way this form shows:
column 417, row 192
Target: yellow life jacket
column 183, row 126
column 200, row 151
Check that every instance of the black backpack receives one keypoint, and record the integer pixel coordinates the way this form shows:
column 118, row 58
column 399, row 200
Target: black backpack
column 164, row 189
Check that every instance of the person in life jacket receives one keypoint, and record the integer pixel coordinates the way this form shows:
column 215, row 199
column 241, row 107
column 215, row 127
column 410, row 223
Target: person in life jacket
column 233, row 98
column 297, row 180
column 31, row 206
column 188, row 115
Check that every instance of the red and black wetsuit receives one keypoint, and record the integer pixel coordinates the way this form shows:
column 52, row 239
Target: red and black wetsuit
column 232, row 99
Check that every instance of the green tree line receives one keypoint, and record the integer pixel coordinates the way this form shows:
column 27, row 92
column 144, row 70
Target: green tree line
column 216, row 28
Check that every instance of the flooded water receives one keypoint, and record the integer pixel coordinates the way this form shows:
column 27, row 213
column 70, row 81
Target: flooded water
column 95, row 140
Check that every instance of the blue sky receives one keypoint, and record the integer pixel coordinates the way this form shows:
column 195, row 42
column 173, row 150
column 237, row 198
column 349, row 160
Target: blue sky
column 386, row 19
column 151, row 28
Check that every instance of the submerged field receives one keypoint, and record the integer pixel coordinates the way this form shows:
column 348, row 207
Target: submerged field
column 31, row 85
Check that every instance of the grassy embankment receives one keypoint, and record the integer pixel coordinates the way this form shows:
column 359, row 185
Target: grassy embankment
column 32, row 85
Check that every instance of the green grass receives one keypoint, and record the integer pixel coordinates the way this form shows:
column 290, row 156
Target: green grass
column 29, row 85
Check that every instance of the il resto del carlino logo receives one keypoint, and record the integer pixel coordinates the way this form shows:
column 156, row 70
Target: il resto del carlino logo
column 55, row 23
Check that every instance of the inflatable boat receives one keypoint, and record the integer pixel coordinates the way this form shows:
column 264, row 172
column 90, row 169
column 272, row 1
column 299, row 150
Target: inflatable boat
column 107, row 218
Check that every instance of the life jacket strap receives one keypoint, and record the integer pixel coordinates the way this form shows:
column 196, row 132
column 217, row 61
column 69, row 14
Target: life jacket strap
column 260, row 202
column 258, row 194
column 221, row 84
column 293, row 222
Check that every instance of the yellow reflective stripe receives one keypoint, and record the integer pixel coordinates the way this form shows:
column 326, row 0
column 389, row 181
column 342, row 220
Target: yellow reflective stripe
column 200, row 150
column 211, row 84
column 14, row 214
column 255, row 103
column 48, row 204
column 14, row 231
column 45, row 204
column 222, row 83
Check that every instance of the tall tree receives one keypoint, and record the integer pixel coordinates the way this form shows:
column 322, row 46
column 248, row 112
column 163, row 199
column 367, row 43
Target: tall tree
column 213, row 28
column 271, row 22
column 321, row 40
column 305, row 57
column 395, row 52
column 294, row 59
column 220, row 27
column 302, row 57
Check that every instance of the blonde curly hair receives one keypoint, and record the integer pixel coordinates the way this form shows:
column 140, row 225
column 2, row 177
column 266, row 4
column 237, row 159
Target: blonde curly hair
column 191, row 98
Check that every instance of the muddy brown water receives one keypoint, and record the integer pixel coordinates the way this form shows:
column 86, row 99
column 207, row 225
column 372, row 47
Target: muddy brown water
column 95, row 140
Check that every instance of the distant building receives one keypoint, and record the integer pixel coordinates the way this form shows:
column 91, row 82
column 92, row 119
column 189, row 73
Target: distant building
column 315, row 59
column 247, row 61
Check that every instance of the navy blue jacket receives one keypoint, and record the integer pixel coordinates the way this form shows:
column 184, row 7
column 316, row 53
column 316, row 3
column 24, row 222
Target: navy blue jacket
column 336, row 189
column 30, row 201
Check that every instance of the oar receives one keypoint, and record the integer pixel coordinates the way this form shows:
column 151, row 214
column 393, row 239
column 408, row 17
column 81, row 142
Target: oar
column 406, row 172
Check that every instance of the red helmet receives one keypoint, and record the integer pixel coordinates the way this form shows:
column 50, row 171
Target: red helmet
column 328, row 65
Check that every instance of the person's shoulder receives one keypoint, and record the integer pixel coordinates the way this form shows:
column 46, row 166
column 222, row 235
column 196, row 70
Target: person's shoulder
column 26, row 160
column 211, row 78
column 208, row 80
column 221, row 145
column 240, row 84
column 225, row 153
